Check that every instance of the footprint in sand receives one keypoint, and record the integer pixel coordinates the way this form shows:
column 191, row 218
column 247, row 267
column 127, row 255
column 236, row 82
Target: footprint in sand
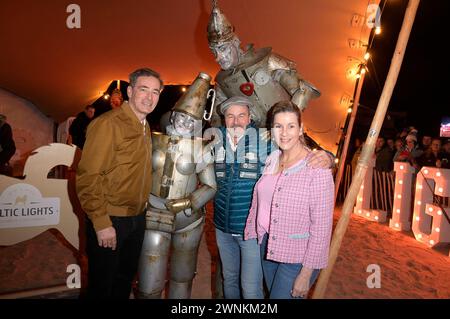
column 414, row 274
column 426, row 268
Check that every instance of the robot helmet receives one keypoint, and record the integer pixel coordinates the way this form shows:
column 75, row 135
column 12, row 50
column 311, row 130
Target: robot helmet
column 219, row 28
column 193, row 102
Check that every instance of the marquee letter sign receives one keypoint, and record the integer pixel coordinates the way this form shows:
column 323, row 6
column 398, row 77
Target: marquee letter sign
column 428, row 224
column 362, row 206
column 401, row 209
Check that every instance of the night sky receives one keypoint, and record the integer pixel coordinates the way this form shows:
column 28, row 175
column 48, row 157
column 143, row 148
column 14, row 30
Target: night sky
column 421, row 96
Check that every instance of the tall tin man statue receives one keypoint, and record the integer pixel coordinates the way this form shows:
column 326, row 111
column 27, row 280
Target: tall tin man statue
column 259, row 74
column 182, row 184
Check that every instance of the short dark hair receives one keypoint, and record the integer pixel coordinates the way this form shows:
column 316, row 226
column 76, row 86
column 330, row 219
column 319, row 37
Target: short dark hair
column 144, row 72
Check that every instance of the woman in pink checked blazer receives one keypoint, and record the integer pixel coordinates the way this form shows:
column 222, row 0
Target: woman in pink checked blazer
column 292, row 210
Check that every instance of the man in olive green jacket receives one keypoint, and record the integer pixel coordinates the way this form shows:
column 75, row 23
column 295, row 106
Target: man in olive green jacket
column 113, row 182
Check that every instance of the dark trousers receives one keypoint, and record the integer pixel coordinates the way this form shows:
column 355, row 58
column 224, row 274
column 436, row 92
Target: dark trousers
column 111, row 272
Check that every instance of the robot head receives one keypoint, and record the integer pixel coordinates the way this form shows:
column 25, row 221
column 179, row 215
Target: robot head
column 183, row 123
column 189, row 111
column 227, row 54
column 223, row 42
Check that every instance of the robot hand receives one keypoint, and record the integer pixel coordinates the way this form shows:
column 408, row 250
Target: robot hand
column 304, row 94
column 177, row 205
column 299, row 99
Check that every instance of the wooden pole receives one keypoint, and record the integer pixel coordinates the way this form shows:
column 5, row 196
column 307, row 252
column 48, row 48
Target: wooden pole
column 348, row 135
column 369, row 146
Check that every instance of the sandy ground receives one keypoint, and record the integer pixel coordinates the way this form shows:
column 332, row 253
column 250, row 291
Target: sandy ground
column 408, row 268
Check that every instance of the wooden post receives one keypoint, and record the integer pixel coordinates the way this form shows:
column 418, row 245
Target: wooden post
column 348, row 135
column 369, row 146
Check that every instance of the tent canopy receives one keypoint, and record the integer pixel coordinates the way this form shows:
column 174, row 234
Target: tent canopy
column 61, row 70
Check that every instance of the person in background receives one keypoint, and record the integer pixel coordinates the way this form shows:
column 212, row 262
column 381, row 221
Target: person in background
column 391, row 144
column 291, row 214
column 116, row 99
column 399, row 144
column 384, row 155
column 113, row 183
column 431, row 155
column 7, row 146
column 444, row 157
column 410, row 152
column 402, row 135
column 426, row 142
column 77, row 129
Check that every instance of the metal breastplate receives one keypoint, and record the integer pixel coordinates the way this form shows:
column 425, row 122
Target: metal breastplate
column 265, row 91
column 174, row 170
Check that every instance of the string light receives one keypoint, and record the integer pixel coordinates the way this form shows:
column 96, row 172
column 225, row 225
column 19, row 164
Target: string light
column 349, row 110
column 378, row 30
column 367, row 56
column 183, row 89
column 106, row 96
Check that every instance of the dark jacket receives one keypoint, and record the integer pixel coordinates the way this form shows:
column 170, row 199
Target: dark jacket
column 236, row 174
column 78, row 129
column 7, row 145
column 384, row 159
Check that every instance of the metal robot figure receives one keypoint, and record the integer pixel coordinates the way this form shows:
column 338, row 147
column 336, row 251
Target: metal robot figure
column 260, row 74
column 182, row 184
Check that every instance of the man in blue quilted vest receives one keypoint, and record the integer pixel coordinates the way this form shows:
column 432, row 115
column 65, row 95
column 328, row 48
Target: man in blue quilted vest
column 239, row 162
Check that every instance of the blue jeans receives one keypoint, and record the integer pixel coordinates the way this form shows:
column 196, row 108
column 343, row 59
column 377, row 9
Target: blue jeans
column 280, row 277
column 241, row 266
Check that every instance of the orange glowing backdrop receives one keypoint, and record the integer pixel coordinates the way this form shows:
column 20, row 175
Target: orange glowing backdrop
column 60, row 69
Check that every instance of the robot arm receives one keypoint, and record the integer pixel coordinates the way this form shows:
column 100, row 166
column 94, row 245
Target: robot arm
column 206, row 192
column 300, row 90
column 200, row 196
column 284, row 71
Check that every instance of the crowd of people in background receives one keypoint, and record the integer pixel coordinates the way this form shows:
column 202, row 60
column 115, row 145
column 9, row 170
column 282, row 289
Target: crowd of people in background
column 408, row 146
